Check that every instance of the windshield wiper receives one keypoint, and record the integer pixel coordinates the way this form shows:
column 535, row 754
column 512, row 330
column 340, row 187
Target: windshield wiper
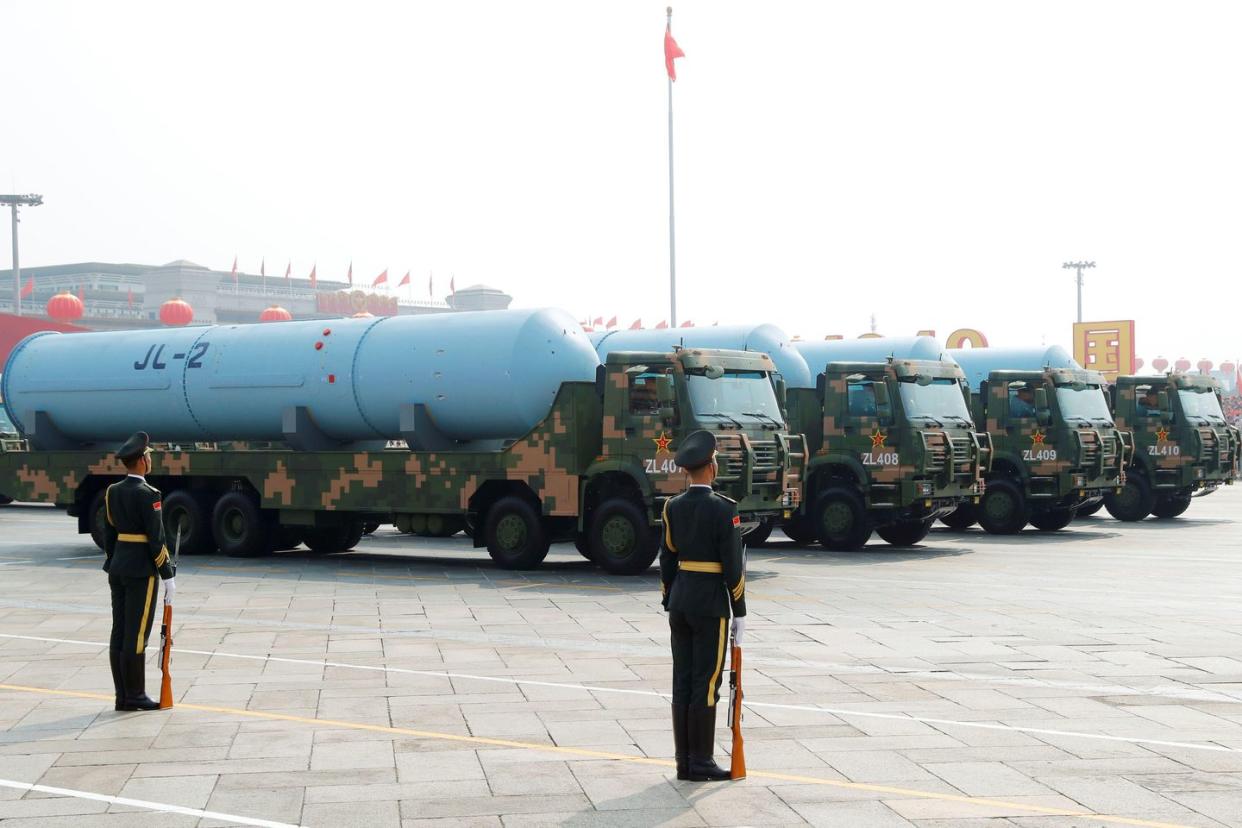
column 759, row 414
column 927, row 417
column 733, row 420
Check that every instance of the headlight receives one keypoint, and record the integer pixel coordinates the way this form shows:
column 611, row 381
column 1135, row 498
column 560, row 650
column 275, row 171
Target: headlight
column 1080, row 480
column 925, row 489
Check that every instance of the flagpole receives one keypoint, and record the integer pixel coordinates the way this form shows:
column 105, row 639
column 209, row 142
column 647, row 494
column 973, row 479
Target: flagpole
column 672, row 234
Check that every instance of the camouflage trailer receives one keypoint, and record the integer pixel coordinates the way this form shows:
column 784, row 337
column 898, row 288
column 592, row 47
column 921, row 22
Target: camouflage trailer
column 596, row 470
column 891, row 447
column 1056, row 449
column 1183, row 447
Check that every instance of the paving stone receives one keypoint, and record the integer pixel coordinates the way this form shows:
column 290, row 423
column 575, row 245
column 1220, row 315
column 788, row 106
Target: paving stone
column 353, row 815
column 850, row 815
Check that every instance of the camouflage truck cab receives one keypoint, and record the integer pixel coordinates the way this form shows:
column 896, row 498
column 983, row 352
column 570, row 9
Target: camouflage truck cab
column 1183, row 447
column 892, row 447
column 595, row 470
column 1056, row 448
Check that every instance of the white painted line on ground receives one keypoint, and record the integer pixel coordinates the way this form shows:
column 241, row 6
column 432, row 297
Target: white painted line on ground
column 142, row 803
column 1036, row 731
column 79, row 557
column 14, row 563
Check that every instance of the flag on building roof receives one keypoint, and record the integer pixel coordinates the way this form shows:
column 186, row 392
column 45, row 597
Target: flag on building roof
column 637, row 326
column 612, row 323
column 234, row 270
column 671, row 50
column 350, row 275
column 405, row 280
column 381, row 279
column 313, row 278
column 28, row 288
column 662, row 326
column 288, row 271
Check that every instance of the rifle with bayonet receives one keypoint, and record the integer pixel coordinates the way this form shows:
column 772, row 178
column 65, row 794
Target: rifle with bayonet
column 737, row 768
column 166, row 642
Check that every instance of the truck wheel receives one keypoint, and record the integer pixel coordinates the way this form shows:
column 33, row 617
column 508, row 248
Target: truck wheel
column 1171, row 506
column 962, row 518
column 621, row 539
column 759, row 535
column 323, row 540
column 905, row 533
column 1090, row 509
column 514, row 534
column 370, row 526
column 184, row 509
column 841, row 520
column 1135, row 501
column 583, row 544
column 5, row 500
column 1002, row 511
column 800, row 530
column 443, row 526
column 240, row 529
column 285, row 538
column 99, row 518
column 1052, row 520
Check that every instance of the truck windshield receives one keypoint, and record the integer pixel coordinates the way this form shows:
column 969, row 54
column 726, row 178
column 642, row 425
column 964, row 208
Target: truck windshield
column 735, row 394
column 1201, row 404
column 939, row 400
column 1085, row 403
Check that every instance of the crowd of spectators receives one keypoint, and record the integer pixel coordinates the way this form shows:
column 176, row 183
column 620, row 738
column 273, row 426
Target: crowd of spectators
column 1232, row 403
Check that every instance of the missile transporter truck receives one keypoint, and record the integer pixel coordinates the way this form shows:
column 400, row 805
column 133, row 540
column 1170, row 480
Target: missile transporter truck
column 504, row 423
column 1183, row 447
column 893, row 470
column 1055, row 445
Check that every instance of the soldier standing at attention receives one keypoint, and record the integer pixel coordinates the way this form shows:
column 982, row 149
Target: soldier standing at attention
column 702, row 578
column 135, row 554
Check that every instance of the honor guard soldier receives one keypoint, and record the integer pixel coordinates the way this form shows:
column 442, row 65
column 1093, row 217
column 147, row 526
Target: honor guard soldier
column 702, row 581
column 135, row 555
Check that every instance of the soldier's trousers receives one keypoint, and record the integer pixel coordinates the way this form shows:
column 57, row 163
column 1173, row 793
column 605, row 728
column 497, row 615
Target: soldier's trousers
column 699, row 643
column 133, row 612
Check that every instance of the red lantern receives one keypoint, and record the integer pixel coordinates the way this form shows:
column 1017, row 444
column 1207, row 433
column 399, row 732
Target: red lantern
column 275, row 313
column 1138, row 364
column 176, row 312
column 362, row 315
column 1160, row 364
column 1204, row 366
column 1182, row 364
column 64, row 307
column 1226, row 367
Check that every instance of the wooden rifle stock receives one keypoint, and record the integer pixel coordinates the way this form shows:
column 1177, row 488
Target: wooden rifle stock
column 166, row 696
column 737, row 768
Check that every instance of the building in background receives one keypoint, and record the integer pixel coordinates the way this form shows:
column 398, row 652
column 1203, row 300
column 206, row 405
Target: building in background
column 122, row 296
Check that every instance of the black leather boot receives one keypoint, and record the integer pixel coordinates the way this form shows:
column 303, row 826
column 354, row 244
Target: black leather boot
column 681, row 740
column 118, row 677
column 702, row 732
column 135, row 669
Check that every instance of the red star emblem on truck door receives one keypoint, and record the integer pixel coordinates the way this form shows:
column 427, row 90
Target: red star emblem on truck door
column 1162, row 435
column 1037, row 439
column 877, row 439
column 662, row 442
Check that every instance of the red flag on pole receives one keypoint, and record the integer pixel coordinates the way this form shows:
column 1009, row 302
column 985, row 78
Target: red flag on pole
column 612, row 323
column 81, row 294
column 381, row 279
column 405, row 280
column 235, row 270
column 662, row 326
column 671, row 50
column 351, row 273
column 687, row 324
column 130, row 297
column 599, row 320
column 453, row 284
column 430, row 290
column 288, row 271
column 637, row 326
column 263, row 267
column 28, row 288
column 313, row 278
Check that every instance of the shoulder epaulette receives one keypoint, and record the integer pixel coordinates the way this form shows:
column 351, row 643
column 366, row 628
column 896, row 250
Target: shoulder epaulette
column 725, row 497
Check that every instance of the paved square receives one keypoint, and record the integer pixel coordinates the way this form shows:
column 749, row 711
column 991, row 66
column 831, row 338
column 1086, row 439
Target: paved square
column 1080, row 678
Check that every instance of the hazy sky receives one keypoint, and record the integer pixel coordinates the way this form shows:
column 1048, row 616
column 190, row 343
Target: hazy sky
column 933, row 163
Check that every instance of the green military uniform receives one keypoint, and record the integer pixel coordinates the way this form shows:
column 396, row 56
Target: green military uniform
column 135, row 556
column 702, row 581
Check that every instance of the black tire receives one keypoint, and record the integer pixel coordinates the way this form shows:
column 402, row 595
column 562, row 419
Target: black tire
column 906, row 532
column 1090, row 509
column 369, row 527
column 5, row 500
column 1002, row 510
column 98, row 518
column 800, row 530
column 443, row 526
column 285, row 538
column 962, row 518
column 759, row 535
column 514, row 534
column 1135, row 501
column 1052, row 520
column 1167, row 508
column 190, row 512
column 620, row 538
column 324, row 540
column 841, row 521
column 582, row 544
column 240, row 529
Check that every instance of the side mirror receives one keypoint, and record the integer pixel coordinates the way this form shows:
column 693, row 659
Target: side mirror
column 713, row 372
column 1043, row 416
column 1162, row 399
column 778, row 385
column 664, row 391
column 1041, row 399
column 881, row 395
column 821, row 387
column 601, row 380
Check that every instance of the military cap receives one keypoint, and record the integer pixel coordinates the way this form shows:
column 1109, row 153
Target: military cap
column 696, row 450
column 137, row 445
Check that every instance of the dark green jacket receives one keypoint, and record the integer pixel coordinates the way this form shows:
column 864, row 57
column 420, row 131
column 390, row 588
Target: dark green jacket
column 702, row 568
column 134, row 531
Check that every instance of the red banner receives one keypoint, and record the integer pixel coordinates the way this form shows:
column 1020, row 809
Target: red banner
column 349, row 302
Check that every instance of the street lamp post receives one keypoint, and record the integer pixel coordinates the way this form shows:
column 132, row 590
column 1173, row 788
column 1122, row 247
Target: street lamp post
column 1080, row 267
column 14, row 201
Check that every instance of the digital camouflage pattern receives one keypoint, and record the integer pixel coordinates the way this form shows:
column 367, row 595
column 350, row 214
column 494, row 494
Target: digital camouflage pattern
column 583, row 441
column 903, row 469
column 1176, row 456
column 1058, row 463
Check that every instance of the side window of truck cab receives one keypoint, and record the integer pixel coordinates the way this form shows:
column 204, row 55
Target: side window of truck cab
column 1021, row 400
column 1147, row 401
column 647, row 391
column 860, row 399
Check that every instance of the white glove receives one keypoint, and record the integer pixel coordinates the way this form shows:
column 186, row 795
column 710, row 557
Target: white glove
column 739, row 627
column 170, row 589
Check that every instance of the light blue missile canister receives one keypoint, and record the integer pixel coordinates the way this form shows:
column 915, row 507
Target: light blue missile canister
column 480, row 376
column 767, row 339
column 977, row 363
column 818, row 353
